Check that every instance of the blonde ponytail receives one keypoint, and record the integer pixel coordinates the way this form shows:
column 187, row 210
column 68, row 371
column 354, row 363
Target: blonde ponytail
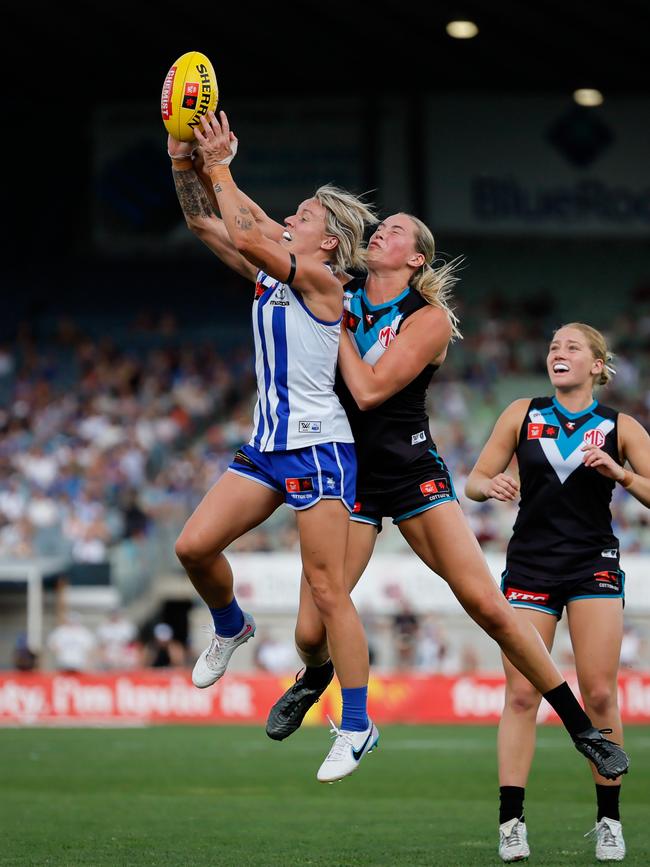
column 435, row 285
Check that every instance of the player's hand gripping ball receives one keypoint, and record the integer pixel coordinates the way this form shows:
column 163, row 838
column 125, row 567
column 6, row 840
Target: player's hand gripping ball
column 189, row 92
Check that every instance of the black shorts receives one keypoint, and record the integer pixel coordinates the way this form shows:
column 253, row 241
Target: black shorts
column 552, row 594
column 409, row 490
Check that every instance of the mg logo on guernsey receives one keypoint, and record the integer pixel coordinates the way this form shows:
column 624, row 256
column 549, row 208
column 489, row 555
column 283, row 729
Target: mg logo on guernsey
column 594, row 438
column 386, row 335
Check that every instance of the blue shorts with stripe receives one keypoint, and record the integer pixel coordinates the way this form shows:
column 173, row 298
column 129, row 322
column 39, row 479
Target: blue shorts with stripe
column 327, row 471
column 404, row 492
column 551, row 594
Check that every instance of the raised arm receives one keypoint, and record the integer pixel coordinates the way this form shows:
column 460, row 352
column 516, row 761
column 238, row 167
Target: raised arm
column 422, row 341
column 199, row 214
column 268, row 226
column 488, row 479
column 306, row 273
column 634, row 446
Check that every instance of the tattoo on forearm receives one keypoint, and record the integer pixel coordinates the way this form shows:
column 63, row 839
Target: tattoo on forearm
column 243, row 223
column 191, row 195
column 218, row 188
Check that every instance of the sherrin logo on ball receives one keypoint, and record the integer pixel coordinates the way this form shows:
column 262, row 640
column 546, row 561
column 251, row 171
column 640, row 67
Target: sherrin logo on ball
column 189, row 91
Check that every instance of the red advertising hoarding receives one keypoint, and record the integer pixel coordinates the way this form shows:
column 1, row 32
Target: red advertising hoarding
column 144, row 697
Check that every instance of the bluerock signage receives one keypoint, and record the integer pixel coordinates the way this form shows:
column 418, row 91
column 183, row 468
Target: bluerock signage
column 538, row 166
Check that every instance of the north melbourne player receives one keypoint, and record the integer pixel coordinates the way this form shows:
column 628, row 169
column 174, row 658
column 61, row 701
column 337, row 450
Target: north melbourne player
column 301, row 452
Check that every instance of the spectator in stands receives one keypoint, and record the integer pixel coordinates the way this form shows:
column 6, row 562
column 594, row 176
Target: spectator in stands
column 73, row 645
column 405, row 632
column 164, row 651
column 118, row 645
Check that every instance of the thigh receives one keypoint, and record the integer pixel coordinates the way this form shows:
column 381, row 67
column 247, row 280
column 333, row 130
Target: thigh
column 596, row 629
column 361, row 542
column 323, row 531
column 232, row 506
column 442, row 539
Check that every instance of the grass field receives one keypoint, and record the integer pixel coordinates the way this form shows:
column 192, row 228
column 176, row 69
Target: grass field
column 229, row 796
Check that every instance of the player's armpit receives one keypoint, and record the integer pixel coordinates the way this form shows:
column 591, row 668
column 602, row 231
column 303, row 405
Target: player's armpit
column 498, row 450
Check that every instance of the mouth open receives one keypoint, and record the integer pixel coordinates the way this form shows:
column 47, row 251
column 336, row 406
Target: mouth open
column 560, row 367
column 287, row 236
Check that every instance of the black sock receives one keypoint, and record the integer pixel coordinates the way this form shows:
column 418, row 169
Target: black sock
column 607, row 797
column 566, row 706
column 511, row 803
column 318, row 675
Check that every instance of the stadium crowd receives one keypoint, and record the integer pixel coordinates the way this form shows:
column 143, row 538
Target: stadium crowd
column 113, row 439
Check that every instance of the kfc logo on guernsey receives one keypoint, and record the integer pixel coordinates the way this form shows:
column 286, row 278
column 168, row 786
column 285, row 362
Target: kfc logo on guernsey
column 594, row 438
column 386, row 336
column 515, row 595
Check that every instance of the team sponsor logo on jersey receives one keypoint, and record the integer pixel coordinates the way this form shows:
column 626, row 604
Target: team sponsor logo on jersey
column 418, row 438
column 437, row 487
column 331, row 484
column 279, row 298
column 351, row 321
column 259, row 290
column 297, row 486
column 570, row 425
column 386, row 336
column 309, row 427
column 516, row 595
column 594, row 437
column 607, row 580
column 611, row 553
column 539, row 430
column 191, row 94
column 370, row 318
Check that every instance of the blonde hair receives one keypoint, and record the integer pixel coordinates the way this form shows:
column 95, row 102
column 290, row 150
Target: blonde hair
column 598, row 346
column 435, row 285
column 346, row 219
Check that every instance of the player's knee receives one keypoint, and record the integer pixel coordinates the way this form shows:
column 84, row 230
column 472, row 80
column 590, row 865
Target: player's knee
column 523, row 699
column 191, row 551
column 492, row 616
column 311, row 640
column 600, row 698
column 326, row 593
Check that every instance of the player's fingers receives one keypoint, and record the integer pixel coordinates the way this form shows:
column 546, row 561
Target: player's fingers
column 225, row 126
column 198, row 135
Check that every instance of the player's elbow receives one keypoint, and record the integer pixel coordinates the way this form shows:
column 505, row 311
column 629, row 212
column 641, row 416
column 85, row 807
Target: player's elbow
column 368, row 400
column 472, row 489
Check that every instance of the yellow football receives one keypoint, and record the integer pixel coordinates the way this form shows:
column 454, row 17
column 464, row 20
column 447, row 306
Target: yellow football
column 189, row 92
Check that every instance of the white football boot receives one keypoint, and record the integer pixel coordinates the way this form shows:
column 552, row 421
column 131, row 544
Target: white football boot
column 610, row 845
column 347, row 751
column 513, row 841
column 212, row 663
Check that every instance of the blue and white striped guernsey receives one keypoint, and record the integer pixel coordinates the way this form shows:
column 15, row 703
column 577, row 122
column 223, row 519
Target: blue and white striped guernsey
column 295, row 363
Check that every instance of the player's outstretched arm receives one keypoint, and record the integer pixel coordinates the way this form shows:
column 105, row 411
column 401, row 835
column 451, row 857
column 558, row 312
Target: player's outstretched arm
column 634, row 447
column 244, row 230
column 488, row 479
column 270, row 228
column 423, row 339
column 199, row 213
